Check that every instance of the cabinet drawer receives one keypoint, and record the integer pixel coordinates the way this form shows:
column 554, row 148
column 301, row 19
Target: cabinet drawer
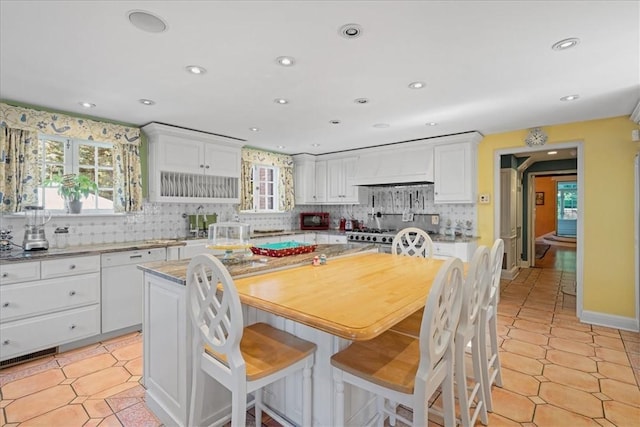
column 443, row 249
column 19, row 272
column 70, row 266
column 45, row 296
column 37, row 333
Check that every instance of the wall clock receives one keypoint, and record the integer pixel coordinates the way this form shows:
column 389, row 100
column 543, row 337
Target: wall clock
column 536, row 137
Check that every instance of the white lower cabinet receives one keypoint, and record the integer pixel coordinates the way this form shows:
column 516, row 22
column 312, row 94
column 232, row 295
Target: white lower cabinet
column 44, row 304
column 462, row 250
column 330, row 238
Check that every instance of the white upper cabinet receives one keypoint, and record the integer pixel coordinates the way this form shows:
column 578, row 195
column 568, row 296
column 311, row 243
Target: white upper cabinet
column 304, row 180
column 191, row 166
column 321, row 181
column 340, row 181
column 455, row 168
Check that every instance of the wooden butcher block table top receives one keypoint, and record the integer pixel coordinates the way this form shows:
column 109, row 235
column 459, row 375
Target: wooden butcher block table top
column 356, row 297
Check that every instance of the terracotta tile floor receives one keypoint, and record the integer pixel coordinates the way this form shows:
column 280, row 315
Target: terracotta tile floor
column 556, row 370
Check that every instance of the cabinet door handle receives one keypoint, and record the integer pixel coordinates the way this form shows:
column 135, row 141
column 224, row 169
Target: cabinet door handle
column 72, row 327
column 6, row 342
column 5, row 274
column 5, row 305
column 135, row 256
column 72, row 267
column 72, row 293
column 207, row 167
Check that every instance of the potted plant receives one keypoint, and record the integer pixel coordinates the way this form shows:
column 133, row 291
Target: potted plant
column 73, row 188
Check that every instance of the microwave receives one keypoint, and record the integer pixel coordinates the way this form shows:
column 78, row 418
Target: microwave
column 314, row 221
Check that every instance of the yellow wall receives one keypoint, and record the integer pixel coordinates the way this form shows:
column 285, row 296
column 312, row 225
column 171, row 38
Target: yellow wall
column 608, row 217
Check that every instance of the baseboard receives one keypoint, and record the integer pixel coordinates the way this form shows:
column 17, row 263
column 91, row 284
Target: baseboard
column 610, row 320
column 510, row 274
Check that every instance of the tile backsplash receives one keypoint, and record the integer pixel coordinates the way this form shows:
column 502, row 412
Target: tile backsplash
column 170, row 221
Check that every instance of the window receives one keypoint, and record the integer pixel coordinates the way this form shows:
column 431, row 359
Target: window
column 60, row 156
column 265, row 185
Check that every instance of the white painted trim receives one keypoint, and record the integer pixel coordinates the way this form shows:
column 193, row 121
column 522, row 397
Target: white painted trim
column 580, row 223
column 610, row 320
column 636, row 187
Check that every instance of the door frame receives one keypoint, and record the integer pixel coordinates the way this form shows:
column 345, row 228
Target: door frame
column 579, row 146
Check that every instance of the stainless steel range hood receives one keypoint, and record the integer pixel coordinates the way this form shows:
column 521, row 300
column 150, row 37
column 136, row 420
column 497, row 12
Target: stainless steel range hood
column 395, row 165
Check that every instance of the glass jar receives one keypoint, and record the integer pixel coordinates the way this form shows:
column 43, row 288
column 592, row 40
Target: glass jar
column 61, row 236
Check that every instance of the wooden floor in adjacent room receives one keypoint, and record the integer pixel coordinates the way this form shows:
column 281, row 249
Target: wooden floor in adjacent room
column 557, row 371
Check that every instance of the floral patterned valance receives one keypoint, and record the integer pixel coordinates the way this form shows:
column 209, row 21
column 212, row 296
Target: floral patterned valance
column 266, row 158
column 64, row 125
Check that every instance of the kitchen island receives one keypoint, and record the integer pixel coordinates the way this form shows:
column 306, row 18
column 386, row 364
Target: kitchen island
column 357, row 295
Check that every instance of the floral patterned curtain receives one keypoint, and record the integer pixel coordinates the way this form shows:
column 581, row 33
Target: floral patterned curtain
column 252, row 157
column 19, row 168
column 126, row 141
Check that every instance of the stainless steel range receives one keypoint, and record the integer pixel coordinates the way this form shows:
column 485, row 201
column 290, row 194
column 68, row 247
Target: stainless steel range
column 381, row 238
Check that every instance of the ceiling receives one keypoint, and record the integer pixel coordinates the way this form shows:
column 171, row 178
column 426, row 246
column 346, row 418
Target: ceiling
column 488, row 66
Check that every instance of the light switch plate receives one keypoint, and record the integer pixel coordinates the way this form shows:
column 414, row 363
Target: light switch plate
column 485, row 198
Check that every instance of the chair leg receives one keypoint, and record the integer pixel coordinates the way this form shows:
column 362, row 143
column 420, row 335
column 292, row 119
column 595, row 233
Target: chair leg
column 239, row 406
column 258, row 406
column 448, row 401
column 380, row 408
column 306, row 395
column 477, row 376
column 495, row 351
column 339, row 398
column 486, row 365
column 461, row 380
column 197, row 396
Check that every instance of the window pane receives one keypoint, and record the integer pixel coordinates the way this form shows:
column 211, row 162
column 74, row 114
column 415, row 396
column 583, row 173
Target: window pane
column 89, row 173
column 87, row 155
column 105, row 156
column 54, row 151
column 51, row 170
column 105, row 179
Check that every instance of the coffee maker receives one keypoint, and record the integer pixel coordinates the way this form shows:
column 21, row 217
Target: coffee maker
column 34, row 238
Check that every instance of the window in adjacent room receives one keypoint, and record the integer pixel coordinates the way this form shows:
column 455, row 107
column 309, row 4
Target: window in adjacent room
column 92, row 159
column 265, row 185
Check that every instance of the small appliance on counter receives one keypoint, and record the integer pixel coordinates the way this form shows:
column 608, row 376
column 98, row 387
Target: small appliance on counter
column 314, row 221
column 34, row 237
column 229, row 236
column 5, row 240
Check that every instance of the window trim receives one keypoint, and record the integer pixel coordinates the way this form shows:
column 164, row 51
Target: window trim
column 255, row 194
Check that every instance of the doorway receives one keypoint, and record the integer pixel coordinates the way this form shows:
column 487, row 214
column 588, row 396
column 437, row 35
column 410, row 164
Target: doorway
column 527, row 202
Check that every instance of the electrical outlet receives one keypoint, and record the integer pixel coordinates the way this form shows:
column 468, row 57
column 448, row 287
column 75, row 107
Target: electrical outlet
column 485, row 198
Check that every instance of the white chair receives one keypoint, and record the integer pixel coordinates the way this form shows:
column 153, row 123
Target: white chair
column 412, row 241
column 242, row 359
column 491, row 370
column 471, row 399
column 403, row 369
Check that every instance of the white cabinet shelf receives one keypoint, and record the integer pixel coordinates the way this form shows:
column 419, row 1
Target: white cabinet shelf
column 191, row 166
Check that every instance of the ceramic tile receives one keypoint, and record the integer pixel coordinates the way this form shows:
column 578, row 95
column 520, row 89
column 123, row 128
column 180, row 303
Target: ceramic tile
column 512, row 406
column 134, row 366
column 632, row 347
column 99, row 381
column 88, row 365
column 520, row 363
column 571, row 360
column 116, row 390
column 621, row 414
column 524, row 349
column 572, row 346
column 39, row 403
column 111, row 421
column 32, row 384
column 616, row 372
column 614, row 356
column 572, row 334
column 529, row 337
column 73, row 415
column 519, row 383
column 572, row 378
column 621, row 392
column 609, row 342
column 97, row 408
column 496, row 420
column 537, row 327
column 138, row 415
column 550, row 415
column 571, row 399
column 128, row 352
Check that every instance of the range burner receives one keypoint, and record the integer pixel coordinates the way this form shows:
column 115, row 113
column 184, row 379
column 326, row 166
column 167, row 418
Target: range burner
column 372, row 235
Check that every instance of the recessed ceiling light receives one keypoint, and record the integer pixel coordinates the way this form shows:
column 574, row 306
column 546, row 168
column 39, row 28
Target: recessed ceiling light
column 381, row 125
column 280, row 101
column 416, row 85
column 361, row 101
column 431, row 124
column 147, row 21
column 350, row 31
column 285, row 61
column 254, row 129
column 569, row 98
column 87, row 104
column 334, row 122
column 551, row 153
column 315, row 145
column 146, row 101
column 281, row 146
column 195, row 69
column 565, row 44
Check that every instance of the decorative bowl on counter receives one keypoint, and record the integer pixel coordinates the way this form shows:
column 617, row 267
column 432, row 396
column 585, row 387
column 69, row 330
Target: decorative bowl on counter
column 283, row 249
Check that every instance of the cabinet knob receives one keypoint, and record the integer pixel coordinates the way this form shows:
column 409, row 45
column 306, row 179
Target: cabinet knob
column 201, row 166
column 6, row 342
column 72, row 267
column 72, row 293
column 72, row 327
column 5, row 305
column 5, row 274
column 207, row 167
